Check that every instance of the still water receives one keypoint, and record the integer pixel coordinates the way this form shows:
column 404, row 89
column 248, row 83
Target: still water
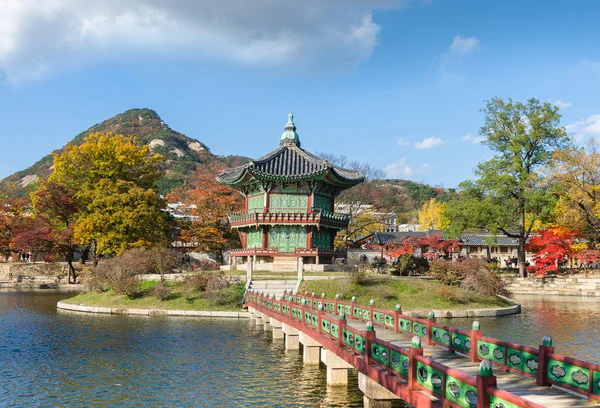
column 50, row 358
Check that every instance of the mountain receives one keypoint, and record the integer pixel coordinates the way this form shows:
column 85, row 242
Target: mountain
column 181, row 153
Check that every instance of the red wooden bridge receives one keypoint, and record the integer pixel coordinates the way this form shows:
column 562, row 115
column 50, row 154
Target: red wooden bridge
column 422, row 362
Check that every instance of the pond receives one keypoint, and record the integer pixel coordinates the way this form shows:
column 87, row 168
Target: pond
column 54, row 358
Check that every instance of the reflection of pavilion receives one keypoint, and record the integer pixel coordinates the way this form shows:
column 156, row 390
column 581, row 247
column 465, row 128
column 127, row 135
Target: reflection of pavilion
column 289, row 210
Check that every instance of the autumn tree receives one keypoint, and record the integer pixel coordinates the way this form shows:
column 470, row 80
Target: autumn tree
column 431, row 215
column 211, row 202
column 553, row 247
column 510, row 195
column 575, row 176
column 114, row 182
column 367, row 203
column 52, row 227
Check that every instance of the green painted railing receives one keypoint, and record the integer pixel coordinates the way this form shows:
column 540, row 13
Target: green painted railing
column 541, row 363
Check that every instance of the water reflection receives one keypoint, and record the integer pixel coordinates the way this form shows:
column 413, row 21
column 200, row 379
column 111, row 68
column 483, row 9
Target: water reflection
column 573, row 322
column 70, row 359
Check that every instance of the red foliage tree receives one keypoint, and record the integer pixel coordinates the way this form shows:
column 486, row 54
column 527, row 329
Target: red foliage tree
column 552, row 247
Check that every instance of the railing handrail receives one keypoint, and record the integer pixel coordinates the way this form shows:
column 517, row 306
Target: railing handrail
column 311, row 320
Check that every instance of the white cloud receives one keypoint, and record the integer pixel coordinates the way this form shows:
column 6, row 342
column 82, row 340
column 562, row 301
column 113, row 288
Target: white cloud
column 473, row 139
column 463, row 45
column 403, row 142
column 401, row 169
column 586, row 128
column 562, row 104
column 40, row 37
column 428, row 143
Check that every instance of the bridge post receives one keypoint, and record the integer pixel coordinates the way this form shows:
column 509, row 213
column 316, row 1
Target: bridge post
column 397, row 314
column 371, row 307
column 475, row 334
column 342, row 326
column 369, row 336
column 484, row 379
column 258, row 318
column 375, row 395
column 414, row 351
column 352, row 301
column 291, row 337
column 430, row 321
column 545, row 349
column 337, row 368
column 311, row 349
column 277, row 329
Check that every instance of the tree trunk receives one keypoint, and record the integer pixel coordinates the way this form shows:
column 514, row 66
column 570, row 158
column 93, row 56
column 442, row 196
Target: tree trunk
column 522, row 238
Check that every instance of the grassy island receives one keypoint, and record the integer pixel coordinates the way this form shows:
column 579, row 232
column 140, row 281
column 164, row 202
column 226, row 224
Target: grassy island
column 177, row 297
column 412, row 294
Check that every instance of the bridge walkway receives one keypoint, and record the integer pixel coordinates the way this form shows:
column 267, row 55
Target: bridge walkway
column 519, row 385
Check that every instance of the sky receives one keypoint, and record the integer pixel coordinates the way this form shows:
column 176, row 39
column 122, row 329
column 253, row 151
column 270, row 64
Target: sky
column 397, row 84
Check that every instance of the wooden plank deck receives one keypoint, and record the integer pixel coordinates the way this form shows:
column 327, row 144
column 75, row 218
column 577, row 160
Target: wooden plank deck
column 520, row 385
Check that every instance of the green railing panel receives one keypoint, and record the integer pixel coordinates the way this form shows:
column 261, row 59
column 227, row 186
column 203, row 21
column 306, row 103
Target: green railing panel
column 362, row 313
column 440, row 336
column 314, row 320
column 380, row 353
column 461, row 343
column 430, row 378
column 315, row 304
column 522, row 360
column 399, row 363
column 388, row 320
column 347, row 309
column 296, row 313
column 340, row 308
column 307, row 316
column 348, row 338
column 420, row 329
column 378, row 317
column 563, row 373
column 286, row 310
column 490, row 351
column 359, row 344
column 326, row 325
column 496, row 402
column 330, row 306
column 405, row 325
column 461, row 394
column 335, row 330
column 596, row 385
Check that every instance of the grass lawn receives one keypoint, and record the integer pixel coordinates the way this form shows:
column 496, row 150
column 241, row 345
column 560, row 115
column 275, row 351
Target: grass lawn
column 228, row 299
column 412, row 294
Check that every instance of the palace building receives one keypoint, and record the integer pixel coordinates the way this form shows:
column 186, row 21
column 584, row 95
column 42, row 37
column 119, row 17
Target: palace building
column 289, row 206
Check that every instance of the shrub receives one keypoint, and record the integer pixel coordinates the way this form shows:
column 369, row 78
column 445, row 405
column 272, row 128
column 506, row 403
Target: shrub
column 216, row 283
column 160, row 291
column 447, row 272
column 357, row 274
column 485, row 281
column 231, row 295
column 409, row 265
column 206, row 265
column 471, row 274
column 197, row 282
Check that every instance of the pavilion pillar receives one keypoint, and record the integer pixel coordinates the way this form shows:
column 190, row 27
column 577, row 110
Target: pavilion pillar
column 375, row 395
column 300, row 268
column 337, row 368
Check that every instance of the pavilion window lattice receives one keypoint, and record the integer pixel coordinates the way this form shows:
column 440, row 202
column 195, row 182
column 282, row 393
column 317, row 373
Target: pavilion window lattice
column 323, row 203
column 288, row 203
column 254, row 239
column 286, row 238
column 256, row 203
column 321, row 239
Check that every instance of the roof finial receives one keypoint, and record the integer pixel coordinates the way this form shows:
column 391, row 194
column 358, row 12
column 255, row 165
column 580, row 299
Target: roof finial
column 289, row 136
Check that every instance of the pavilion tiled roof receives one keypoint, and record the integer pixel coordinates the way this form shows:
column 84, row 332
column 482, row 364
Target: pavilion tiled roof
column 290, row 162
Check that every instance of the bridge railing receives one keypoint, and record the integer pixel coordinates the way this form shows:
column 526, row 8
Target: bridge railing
column 451, row 387
column 547, row 367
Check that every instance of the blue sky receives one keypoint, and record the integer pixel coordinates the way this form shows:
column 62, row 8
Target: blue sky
column 398, row 84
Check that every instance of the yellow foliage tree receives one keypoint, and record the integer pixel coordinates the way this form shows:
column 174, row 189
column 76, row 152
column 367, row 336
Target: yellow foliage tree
column 431, row 216
column 114, row 179
column 575, row 174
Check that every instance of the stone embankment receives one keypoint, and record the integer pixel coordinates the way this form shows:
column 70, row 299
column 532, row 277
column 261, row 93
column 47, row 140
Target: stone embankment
column 574, row 285
column 150, row 312
column 51, row 272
